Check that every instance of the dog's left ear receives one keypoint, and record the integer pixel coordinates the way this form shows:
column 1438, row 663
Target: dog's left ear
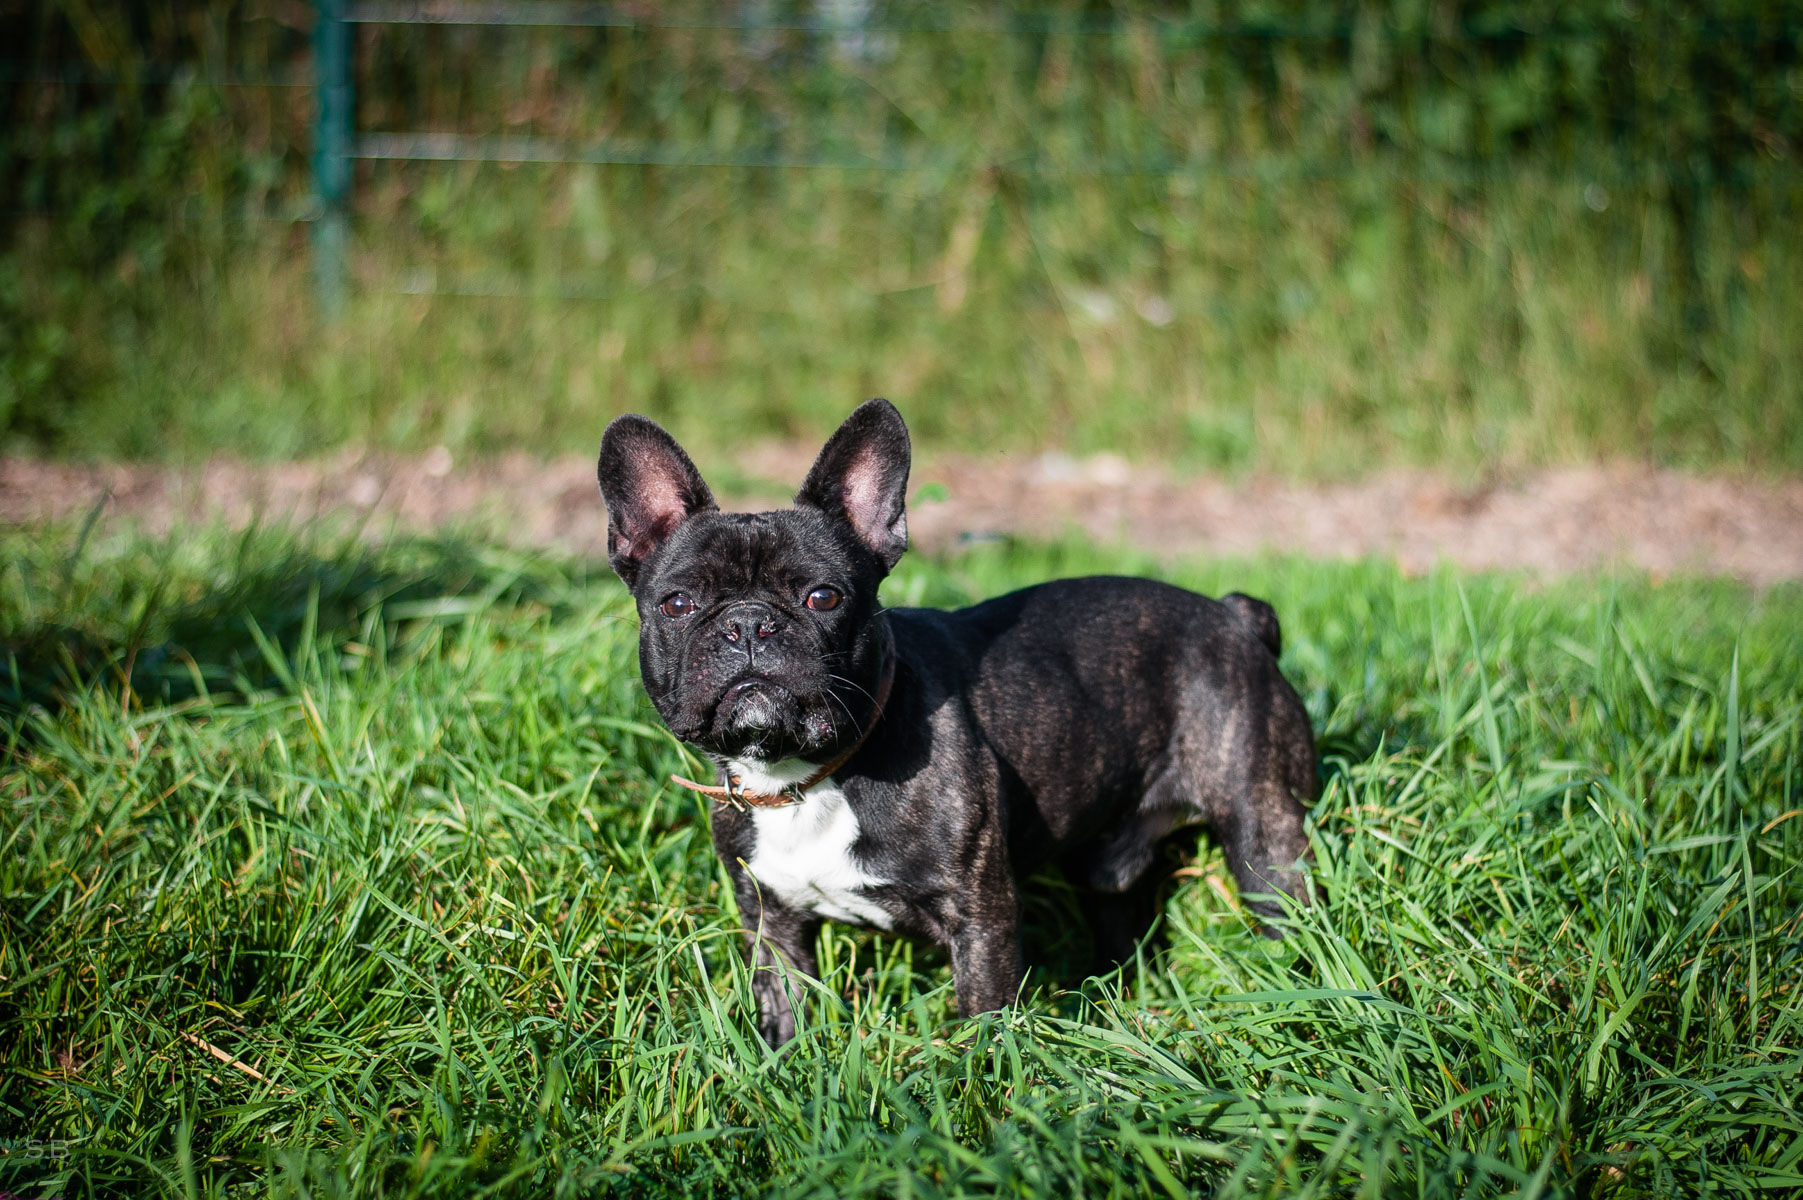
column 862, row 476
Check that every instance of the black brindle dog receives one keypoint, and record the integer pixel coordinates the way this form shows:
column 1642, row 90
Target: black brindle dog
column 904, row 769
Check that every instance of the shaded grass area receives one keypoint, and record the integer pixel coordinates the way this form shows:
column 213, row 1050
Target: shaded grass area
column 1313, row 327
column 345, row 871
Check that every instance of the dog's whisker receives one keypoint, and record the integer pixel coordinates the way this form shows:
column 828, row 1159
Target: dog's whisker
column 850, row 718
column 853, row 684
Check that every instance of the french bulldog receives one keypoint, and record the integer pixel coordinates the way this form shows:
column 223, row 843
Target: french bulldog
column 904, row 769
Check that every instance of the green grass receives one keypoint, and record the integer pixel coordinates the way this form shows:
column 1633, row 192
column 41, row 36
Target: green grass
column 1246, row 235
column 385, row 826
column 1298, row 326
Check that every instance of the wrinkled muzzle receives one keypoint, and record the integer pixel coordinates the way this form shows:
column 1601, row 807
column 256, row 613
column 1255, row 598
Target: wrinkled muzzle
column 747, row 691
column 758, row 717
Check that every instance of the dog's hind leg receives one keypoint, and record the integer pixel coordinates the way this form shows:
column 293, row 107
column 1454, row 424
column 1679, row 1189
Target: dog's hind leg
column 1121, row 870
column 1265, row 842
column 1252, row 767
column 1120, row 921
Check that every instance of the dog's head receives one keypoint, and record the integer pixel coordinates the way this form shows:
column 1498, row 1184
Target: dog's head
column 758, row 632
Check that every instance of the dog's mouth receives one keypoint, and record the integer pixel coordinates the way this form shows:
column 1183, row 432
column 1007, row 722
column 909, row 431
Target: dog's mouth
column 760, row 717
column 755, row 702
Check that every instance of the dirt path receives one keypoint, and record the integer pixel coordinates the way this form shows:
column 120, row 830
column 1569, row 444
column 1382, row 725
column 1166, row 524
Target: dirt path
column 1556, row 521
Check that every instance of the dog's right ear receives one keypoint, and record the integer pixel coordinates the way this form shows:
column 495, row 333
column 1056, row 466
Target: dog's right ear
column 650, row 488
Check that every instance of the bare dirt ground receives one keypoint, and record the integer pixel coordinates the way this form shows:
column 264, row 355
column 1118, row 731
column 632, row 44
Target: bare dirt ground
column 1558, row 521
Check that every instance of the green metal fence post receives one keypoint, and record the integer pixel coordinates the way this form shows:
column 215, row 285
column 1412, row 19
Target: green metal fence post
column 332, row 131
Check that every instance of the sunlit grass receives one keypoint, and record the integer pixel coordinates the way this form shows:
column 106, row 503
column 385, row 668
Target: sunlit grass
column 339, row 871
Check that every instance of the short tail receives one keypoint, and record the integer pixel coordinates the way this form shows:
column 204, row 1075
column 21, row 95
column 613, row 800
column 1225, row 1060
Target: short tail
column 1259, row 617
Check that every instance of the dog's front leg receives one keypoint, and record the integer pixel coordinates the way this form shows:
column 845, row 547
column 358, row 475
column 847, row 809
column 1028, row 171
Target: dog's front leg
column 777, row 940
column 769, row 956
column 986, row 965
column 983, row 935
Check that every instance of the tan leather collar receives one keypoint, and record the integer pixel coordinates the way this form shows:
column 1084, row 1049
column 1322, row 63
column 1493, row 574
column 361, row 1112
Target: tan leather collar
column 731, row 793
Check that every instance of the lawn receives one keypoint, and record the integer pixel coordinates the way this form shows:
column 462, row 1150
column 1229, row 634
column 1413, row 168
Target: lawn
column 1252, row 236
column 347, row 869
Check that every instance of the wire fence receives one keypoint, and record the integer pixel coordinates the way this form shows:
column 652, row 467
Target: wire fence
column 1470, row 227
column 1685, row 102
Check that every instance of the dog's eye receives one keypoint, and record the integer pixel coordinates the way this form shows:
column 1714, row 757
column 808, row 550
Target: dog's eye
column 823, row 599
column 678, row 604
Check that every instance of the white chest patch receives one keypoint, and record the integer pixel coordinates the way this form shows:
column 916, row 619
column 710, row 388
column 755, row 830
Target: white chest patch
column 803, row 852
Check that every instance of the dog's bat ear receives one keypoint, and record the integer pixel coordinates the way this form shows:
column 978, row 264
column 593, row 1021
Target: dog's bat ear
column 862, row 477
column 650, row 488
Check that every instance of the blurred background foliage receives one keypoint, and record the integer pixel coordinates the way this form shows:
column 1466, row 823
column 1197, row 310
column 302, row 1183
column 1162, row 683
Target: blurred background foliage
column 1305, row 238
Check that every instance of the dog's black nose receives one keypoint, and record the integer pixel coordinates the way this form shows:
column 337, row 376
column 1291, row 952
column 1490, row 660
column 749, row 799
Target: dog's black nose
column 753, row 621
